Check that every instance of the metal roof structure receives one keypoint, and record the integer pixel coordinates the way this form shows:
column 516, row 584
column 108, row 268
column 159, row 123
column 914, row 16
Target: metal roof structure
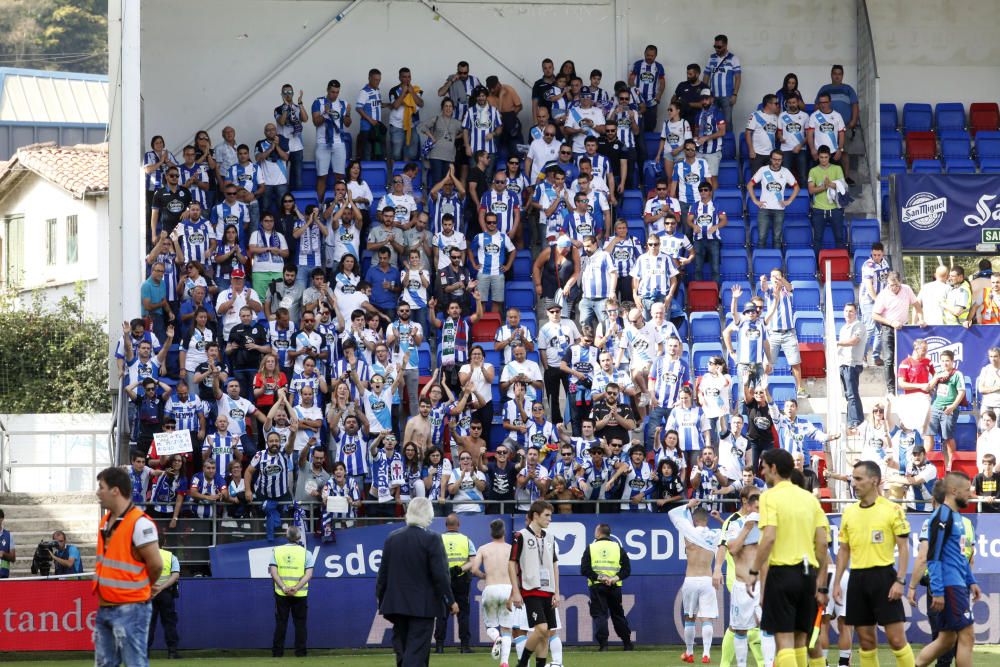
column 38, row 106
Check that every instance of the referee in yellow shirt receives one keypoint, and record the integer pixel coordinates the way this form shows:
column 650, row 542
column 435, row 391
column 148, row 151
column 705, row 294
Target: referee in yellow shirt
column 870, row 531
column 790, row 555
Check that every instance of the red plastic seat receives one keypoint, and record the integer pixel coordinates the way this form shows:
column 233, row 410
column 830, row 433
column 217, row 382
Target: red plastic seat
column 813, row 359
column 485, row 329
column 703, row 295
column 840, row 264
column 984, row 116
column 921, row 146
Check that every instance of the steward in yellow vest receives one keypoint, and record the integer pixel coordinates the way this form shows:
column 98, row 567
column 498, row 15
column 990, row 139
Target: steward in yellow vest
column 606, row 565
column 459, row 551
column 291, row 569
column 165, row 593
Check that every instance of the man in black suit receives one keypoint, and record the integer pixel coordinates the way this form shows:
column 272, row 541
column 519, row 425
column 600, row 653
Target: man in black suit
column 413, row 585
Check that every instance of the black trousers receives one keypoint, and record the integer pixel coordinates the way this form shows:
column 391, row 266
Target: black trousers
column 297, row 607
column 166, row 612
column 460, row 589
column 606, row 601
column 554, row 379
column 411, row 640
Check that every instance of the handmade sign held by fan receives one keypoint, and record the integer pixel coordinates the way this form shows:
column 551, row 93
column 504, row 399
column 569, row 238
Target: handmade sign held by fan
column 169, row 443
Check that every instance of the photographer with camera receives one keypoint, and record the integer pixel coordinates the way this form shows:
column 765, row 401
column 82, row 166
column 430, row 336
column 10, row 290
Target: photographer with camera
column 65, row 556
column 7, row 552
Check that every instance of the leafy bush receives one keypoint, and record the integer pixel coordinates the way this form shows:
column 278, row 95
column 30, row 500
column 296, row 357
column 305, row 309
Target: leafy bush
column 52, row 359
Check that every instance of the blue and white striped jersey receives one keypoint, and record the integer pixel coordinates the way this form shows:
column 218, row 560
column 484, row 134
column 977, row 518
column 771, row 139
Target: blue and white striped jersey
column 601, row 165
column 352, row 451
column 223, row 215
column 654, row 206
column 246, row 176
column 273, row 474
column 710, row 120
column 137, row 369
column 688, row 175
column 705, row 216
column 647, row 79
column 387, row 472
column 333, row 113
column 513, row 416
column 447, row 204
column 480, row 121
column 504, row 204
column 219, row 447
column 200, row 173
column 155, row 180
column 667, row 377
column 186, row 413
column 689, row 423
column 579, row 225
column 782, row 305
column 676, row 245
column 165, row 492
column 205, row 509
column 281, row 341
column 310, row 245
column 194, row 238
column 625, row 253
column 721, row 73
column 595, row 276
column 624, row 124
column 620, row 377
column 369, row 101
column 491, row 252
column 349, row 490
column 653, row 273
column 638, row 480
column 751, row 342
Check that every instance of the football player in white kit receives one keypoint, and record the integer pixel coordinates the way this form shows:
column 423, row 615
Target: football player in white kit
column 490, row 563
column 699, row 595
column 738, row 547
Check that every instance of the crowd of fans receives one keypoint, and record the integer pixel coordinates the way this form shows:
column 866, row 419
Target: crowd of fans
column 362, row 347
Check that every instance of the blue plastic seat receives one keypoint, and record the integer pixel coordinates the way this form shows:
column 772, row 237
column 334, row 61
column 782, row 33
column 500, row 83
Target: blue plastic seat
column 702, row 352
column 842, row 292
column 522, row 266
column 888, row 117
column 730, row 201
column 632, row 204
column 926, row 167
column 705, row 326
column 520, row 295
column 726, row 295
column 797, row 234
column 765, row 259
column 729, row 146
column 800, row 264
column 988, row 145
column 864, row 233
column 733, row 264
column 734, row 234
column 892, row 166
column 959, row 165
column 950, row 116
column 805, row 295
column 780, row 367
column 891, row 145
column 373, row 173
column 808, row 326
column 989, row 165
column 729, row 174
column 917, row 117
column 424, row 359
column 956, row 144
column 781, row 389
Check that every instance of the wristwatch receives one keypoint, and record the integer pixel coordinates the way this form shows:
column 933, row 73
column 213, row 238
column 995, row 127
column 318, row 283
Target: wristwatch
column 824, row 590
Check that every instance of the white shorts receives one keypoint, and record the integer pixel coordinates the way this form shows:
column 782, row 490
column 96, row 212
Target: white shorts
column 744, row 609
column 699, row 597
column 493, row 606
column 713, row 160
column 331, row 156
column 519, row 618
column 837, row 609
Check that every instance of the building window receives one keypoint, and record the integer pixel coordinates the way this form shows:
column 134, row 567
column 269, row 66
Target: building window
column 71, row 239
column 13, row 259
column 51, row 232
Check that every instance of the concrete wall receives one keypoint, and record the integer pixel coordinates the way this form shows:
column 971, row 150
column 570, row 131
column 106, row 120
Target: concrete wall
column 232, row 49
column 39, row 200
column 933, row 51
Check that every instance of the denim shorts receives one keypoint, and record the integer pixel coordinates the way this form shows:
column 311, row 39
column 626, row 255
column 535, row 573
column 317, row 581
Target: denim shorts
column 943, row 425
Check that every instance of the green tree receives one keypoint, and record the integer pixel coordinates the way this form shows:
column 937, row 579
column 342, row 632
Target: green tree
column 55, row 34
column 52, row 359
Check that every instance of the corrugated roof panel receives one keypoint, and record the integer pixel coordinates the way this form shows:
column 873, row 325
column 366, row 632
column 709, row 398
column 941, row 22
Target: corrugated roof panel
column 52, row 97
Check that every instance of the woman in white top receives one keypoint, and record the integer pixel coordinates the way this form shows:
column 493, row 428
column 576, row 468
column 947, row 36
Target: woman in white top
column 345, row 280
column 481, row 374
column 714, row 391
column 467, row 483
column 193, row 348
column 989, row 439
column 361, row 194
column 675, row 131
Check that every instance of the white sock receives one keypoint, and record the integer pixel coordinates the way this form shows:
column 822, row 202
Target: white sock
column 706, row 638
column 555, row 649
column 519, row 645
column 741, row 645
column 505, row 648
column 767, row 648
column 845, row 656
column 689, row 636
column 492, row 633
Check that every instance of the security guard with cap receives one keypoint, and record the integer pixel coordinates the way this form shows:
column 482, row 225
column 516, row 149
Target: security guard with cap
column 291, row 569
column 606, row 565
column 165, row 592
column 460, row 551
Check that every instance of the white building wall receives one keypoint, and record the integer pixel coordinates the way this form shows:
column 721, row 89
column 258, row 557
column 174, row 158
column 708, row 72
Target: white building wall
column 932, row 51
column 38, row 201
column 185, row 89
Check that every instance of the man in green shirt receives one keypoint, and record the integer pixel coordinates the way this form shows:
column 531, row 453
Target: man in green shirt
column 823, row 179
column 948, row 389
